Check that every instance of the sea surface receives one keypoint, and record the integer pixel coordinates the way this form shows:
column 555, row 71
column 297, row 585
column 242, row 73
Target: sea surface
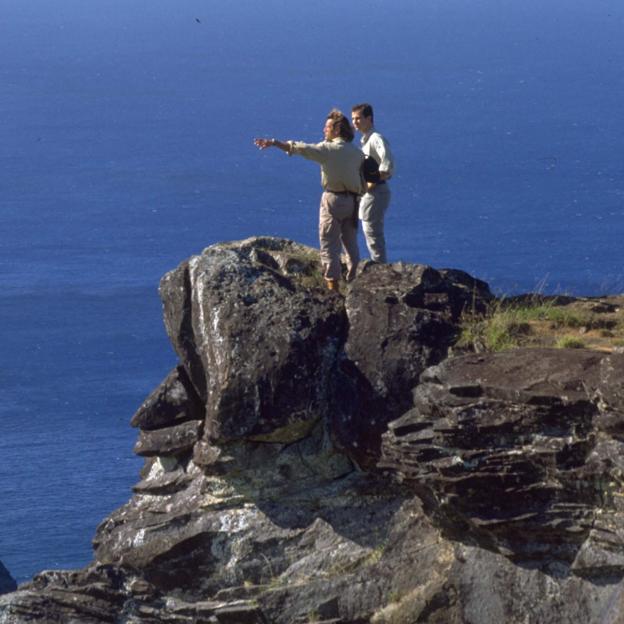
column 126, row 134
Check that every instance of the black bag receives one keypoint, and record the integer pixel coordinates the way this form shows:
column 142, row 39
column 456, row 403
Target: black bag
column 370, row 170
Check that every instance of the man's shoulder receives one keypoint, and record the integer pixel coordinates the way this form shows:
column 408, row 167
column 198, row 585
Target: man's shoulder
column 349, row 146
column 355, row 149
column 378, row 137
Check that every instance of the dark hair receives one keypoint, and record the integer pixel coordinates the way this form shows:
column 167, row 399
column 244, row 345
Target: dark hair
column 345, row 130
column 365, row 109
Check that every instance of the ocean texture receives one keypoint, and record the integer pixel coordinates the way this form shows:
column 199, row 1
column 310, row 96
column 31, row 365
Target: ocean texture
column 126, row 146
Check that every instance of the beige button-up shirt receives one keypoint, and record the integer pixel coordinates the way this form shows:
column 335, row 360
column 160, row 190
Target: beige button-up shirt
column 340, row 163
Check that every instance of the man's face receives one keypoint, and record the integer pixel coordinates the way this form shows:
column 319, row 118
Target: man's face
column 362, row 124
column 330, row 130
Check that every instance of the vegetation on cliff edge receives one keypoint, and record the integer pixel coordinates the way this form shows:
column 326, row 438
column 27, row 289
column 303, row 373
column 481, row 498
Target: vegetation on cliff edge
column 540, row 321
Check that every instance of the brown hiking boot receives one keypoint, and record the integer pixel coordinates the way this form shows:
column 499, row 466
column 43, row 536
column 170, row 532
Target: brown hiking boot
column 332, row 284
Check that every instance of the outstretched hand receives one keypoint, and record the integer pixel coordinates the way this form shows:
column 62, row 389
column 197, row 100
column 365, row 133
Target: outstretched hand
column 264, row 143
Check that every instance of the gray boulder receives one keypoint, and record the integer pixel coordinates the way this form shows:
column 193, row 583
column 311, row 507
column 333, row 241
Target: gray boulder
column 256, row 337
column 402, row 318
column 172, row 403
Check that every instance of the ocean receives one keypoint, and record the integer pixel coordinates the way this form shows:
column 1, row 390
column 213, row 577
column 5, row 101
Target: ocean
column 126, row 146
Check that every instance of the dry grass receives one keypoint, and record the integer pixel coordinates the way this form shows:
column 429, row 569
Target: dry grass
column 537, row 321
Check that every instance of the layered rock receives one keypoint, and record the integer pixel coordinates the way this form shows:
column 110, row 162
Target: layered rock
column 522, row 452
column 402, row 318
column 496, row 498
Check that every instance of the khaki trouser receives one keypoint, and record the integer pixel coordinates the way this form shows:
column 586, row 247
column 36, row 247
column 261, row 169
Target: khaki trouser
column 338, row 228
column 373, row 206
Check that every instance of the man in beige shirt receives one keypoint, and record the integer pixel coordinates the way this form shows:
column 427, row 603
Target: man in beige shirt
column 342, row 184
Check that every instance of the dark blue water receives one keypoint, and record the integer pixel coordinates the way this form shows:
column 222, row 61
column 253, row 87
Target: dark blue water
column 126, row 145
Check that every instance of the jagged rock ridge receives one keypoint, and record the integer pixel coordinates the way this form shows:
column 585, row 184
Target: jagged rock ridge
column 523, row 451
column 267, row 494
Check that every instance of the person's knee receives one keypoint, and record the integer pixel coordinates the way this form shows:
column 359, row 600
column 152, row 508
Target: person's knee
column 325, row 230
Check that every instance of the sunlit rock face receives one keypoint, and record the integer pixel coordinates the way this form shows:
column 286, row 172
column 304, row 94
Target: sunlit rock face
column 322, row 457
column 259, row 344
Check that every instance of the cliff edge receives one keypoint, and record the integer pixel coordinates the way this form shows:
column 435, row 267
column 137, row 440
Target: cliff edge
column 324, row 458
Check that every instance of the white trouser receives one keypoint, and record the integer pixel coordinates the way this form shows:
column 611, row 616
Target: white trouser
column 373, row 206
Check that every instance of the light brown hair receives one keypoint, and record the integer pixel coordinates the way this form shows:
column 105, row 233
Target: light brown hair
column 345, row 130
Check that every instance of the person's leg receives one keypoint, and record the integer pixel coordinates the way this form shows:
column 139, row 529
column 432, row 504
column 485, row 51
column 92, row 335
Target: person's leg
column 348, row 235
column 373, row 206
column 329, row 237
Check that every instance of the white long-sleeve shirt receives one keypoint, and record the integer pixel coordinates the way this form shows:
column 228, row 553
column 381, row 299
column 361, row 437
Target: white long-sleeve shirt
column 376, row 146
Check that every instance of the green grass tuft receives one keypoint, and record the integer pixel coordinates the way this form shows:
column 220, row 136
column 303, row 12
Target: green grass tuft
column 569, row 342
column 500, row 329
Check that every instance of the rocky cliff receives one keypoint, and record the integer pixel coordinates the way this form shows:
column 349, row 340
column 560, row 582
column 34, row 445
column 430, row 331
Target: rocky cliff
column 316, row 457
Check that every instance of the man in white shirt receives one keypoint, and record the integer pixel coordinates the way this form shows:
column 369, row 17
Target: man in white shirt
column 342, row 184
column 375, row 201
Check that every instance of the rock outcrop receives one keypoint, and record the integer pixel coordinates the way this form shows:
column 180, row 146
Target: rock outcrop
column 320, row 458
column 522, row 451
column 401, row 319
column 7, row 582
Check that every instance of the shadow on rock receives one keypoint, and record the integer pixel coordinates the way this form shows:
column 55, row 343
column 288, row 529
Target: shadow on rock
column 521, row 454
column 401, row 320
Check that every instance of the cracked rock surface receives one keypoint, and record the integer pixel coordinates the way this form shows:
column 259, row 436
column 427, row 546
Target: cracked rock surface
column 523, row 451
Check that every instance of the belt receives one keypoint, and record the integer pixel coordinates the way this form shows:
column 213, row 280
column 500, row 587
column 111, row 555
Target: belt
column 340, row 192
